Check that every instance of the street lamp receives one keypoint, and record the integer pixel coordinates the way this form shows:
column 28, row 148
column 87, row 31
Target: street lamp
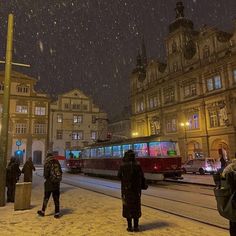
column 185, row 125
column 135, row 134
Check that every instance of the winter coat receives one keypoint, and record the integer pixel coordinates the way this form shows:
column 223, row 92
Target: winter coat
column 28, row 169
column 48, row 185
column 131, row 175
column 12, row 173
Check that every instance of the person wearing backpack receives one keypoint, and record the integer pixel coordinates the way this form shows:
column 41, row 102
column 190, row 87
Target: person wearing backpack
column 53, row 177
column 132, row 182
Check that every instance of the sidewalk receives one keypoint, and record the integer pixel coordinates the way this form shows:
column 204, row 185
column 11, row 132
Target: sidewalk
column 86, row 213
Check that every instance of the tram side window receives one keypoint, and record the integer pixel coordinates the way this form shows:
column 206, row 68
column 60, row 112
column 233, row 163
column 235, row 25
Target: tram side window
column 108, row 151
column 117, row 151
column 93, row 152
column 154, row 149
column 125, row 148
column 86, row 153
column 168, row 149
column 100, row 152
column 141, row 149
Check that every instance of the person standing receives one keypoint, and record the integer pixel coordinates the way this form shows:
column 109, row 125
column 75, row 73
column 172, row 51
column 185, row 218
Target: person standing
column 28, row 169
column 131, row 175
column 227, row 170
column 223, row 158
column 12, row 176
column 53, row 177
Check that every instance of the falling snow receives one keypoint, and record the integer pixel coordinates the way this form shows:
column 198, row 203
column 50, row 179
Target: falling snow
column 92, row 45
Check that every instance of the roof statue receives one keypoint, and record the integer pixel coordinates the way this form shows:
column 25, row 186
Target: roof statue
column 179, row 10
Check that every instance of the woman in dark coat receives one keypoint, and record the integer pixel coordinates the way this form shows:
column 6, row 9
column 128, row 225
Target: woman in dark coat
column 131, row 176
column 28, row 169
column 12, row 176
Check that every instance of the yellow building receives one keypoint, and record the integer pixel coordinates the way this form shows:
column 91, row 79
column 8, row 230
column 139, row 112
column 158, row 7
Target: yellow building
column 28, row 118
column 191, row 98
column 75, row 121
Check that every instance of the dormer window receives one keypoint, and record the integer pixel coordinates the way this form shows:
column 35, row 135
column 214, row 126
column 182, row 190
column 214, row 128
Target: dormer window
column 22, row 88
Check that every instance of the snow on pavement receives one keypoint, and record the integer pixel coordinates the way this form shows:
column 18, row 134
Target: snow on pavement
column 86, row 213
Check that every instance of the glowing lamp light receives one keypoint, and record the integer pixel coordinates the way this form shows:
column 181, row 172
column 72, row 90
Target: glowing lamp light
column 135, row 134
column 184, row 124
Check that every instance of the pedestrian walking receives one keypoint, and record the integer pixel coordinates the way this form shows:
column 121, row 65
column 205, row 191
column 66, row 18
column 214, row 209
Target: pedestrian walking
column 131, row 175
column 53, row 177
column 12, row 176
column 28, row 169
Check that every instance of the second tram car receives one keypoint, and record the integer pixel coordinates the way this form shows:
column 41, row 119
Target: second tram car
column 158, row 159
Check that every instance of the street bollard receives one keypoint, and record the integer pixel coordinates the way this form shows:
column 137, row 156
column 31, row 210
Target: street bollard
column 22, row 196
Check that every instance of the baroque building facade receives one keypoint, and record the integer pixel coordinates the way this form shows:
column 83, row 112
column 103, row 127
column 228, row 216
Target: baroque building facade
column 75, row 121
column 28, row 118
column 190, row 98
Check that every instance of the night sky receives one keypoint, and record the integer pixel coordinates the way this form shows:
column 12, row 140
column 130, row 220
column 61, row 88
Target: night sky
column 92, row 44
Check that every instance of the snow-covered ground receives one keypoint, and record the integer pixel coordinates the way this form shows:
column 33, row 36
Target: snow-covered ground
column 86, row 213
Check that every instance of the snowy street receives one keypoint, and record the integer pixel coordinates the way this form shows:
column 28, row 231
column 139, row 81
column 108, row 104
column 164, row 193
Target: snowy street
column 87, row 212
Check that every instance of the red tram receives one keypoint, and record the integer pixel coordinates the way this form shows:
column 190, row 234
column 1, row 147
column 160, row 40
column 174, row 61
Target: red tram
column 159, row 159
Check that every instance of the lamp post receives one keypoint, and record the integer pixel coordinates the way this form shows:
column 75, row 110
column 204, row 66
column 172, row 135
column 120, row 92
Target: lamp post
column 185, row 125
column 5, row 114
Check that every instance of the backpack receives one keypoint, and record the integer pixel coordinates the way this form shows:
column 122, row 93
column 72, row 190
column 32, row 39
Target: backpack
column 55, row 172
column 225, row 194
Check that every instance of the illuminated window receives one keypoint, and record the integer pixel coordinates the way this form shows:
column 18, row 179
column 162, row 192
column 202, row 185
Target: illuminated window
column 193, row 120
column 40, row 111
column 217, row 118
column 77, row 135
column 59, row 118
column 21, row 109
column 214, row 83
column 39, row 128
column 21, row 128
column 78, row 119
column 93, row 135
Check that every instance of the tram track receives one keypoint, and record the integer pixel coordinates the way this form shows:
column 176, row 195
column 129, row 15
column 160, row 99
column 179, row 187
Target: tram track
column 152, row 198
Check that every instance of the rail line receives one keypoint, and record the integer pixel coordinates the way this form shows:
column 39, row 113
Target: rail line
column 70, row 182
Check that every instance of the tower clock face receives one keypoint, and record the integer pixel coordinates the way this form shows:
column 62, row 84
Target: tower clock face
column 189, row 49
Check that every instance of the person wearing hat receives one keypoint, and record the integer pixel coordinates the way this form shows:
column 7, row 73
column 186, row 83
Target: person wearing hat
column 131, row 175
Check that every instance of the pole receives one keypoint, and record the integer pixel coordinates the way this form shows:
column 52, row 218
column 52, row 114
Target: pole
column 5, row 114
column 186, row 143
